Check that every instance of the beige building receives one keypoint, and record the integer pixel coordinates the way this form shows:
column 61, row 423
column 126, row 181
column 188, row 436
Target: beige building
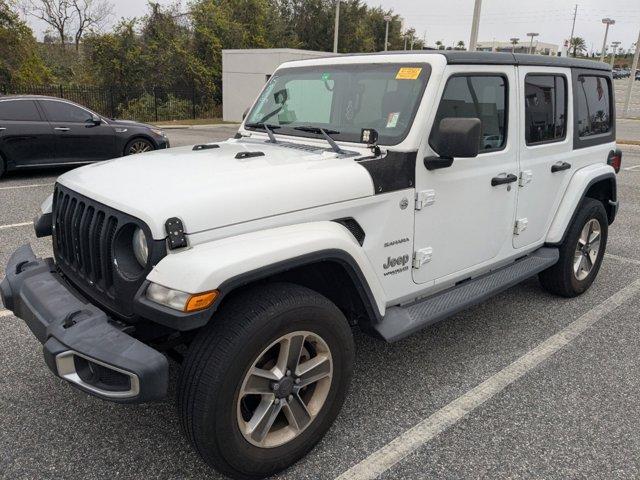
column 539, row 48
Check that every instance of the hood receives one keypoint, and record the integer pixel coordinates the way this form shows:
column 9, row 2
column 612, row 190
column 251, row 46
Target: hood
column 116, row 122
column 210, row 188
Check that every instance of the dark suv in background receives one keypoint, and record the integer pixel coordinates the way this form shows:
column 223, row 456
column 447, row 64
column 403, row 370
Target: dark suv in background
column 37, row 131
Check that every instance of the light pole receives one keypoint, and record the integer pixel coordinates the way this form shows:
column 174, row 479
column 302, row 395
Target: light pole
column 615, row 49
column 387, row 19
column 475, row 24
column 531, row 42
column 514, row 42
column 632, row 77
column 607, row 22
column 335, row 28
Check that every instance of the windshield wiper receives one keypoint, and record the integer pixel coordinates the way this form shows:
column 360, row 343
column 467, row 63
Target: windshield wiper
column 326, row 133
column 266, row 127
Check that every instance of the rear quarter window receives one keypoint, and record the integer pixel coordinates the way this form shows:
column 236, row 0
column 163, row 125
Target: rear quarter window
column 594, row 116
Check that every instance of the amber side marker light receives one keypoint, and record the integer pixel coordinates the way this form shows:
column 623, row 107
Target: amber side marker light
column 201, row 301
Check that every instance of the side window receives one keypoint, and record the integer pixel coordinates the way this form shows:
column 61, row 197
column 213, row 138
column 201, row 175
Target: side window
column 545, row 108
column 476, row 96
column 64, row 112
column 19, row 111
column 593, row 105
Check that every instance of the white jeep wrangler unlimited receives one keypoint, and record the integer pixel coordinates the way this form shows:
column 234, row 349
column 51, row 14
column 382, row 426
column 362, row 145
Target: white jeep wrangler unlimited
column 384, row 192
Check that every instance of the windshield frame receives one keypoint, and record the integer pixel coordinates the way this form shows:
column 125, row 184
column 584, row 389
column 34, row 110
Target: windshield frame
column 289, row 130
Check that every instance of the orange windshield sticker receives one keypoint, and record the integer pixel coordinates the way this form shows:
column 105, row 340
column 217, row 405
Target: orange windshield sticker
column 408, row 73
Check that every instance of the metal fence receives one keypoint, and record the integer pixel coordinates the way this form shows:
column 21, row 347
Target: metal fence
column 144, row 105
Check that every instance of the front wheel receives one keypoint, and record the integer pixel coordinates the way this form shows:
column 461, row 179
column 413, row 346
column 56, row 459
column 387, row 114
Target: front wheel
column 138, row 145
column 581, row 252
column 264, row 381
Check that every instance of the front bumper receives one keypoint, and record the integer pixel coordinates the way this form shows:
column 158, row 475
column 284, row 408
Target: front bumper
column 81, row 343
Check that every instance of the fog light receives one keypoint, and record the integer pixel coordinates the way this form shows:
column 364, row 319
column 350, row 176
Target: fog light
column 179, row 300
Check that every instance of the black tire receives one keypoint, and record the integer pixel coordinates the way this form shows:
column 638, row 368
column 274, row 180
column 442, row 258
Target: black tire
column 220, row 357
column 135, row 146
column 3, row 166
column 561, row 279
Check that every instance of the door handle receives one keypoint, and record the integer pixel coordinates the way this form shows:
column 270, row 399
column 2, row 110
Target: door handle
column 558, row 167
column 495, row 181
column 62, row 129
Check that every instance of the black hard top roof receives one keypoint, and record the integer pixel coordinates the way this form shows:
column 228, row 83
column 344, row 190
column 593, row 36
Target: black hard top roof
column 499, row 58
column 457, row 57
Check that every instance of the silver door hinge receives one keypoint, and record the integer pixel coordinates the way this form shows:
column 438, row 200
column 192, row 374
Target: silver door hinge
column 422, row 256
column 425, row 198
column 525, row 177
column 520, row 226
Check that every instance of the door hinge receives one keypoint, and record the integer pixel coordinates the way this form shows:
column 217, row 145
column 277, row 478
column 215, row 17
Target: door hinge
column 422, row 256
column 525, row 177
column 425, row 198
column 520, row 226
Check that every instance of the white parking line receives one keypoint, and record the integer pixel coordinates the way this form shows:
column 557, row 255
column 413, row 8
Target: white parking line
column 13, row 225
column 5, row 313
column 632, row 261
column 392, row 453
column 33, row 185
column 635, row 167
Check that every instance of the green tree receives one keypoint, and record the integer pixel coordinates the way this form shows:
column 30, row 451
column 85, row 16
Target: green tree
column 20, row 62
column 578, row 45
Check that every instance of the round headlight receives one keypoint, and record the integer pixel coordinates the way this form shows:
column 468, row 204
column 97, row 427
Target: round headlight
column 140, row 247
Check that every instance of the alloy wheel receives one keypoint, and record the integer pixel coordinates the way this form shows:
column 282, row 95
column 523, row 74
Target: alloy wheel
column 139, row 146
column 285, row 389
column 587, row 249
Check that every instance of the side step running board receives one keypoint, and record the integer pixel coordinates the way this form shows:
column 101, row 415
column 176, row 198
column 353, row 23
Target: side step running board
column 401, row 321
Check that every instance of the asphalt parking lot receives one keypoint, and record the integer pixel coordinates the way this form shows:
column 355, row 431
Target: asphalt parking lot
column 449, row 398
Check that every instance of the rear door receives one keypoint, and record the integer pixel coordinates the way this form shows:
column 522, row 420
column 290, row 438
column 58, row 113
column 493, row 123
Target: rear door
column 26, row 139
column 77, row 138
column 546, row 154
column 467, row 221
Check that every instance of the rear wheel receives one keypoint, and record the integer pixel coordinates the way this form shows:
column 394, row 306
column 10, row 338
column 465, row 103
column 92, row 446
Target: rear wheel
column 3, row 166
column 581, row 252
column 138, row 145
column 264, row 381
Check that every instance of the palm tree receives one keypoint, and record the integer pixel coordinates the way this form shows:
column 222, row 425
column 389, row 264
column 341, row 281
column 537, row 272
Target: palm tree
column 578, row 45
column 439, row 45
column 460, row 45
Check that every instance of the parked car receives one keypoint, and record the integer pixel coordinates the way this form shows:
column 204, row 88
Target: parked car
column 357, row 193
column 38, row 131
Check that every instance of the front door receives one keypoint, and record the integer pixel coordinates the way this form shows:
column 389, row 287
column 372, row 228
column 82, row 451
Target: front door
column 77, row 138
column 467, row 218
column 26, row 139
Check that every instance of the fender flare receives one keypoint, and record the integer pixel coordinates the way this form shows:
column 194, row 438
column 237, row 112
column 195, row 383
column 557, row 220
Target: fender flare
column 233, row 262
column 575, row 193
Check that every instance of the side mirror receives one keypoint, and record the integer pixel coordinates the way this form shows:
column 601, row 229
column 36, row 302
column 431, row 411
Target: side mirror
column 93, row 121
column 457, row 137
column 245, row 113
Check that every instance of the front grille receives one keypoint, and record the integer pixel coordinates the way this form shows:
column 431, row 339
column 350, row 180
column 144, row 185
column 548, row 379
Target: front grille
column 84, row 236
column 83, row 239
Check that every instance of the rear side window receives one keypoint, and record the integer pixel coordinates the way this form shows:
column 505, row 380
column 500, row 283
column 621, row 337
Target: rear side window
column 593, row 99
column 19, row 111
column 64, row 112
column 476, row 96
column 545, row 108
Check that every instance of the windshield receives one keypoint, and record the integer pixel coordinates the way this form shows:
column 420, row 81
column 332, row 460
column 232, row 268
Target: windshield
column 343, row 98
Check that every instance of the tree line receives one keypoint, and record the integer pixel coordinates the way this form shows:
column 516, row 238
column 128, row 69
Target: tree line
column 172, row 48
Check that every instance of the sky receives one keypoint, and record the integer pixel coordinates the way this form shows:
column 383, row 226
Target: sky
column 450, row 21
